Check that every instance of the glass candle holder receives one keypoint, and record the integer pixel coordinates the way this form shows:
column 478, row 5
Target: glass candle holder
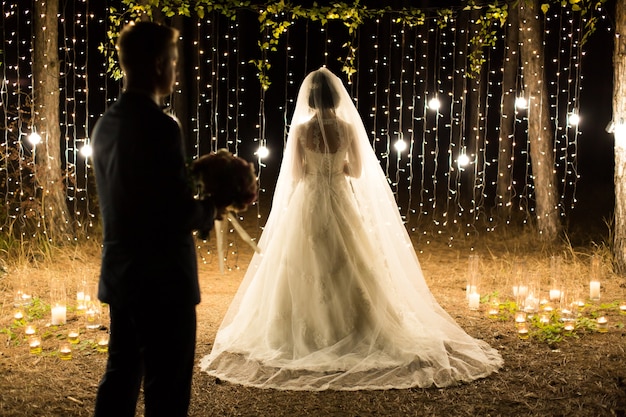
column 65, row 351
column 81, row 305
column 474, row 301
column 22, row 298
column 93, row 315
column 594, row 290
column 58, row 303
column 520, row 319
column 494, row 309
column 34, row 344
column 73, row 335
column 622, row 307
column 473, row 266
column 523, row 331
column 555, row 295
column 102, row 342
column 30, row 330
column 59, row 314
column 569, row 327
column 603, row 324
column 18, row 314
column 544, row 318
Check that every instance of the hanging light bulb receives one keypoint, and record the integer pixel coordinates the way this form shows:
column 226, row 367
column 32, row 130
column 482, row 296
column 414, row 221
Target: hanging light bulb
column 463, row 160
column 573, row 119
column 400, row 145
column 521, row 103
column 262, row 152
column 86, row 150
column 434, row 103
column 34, row 138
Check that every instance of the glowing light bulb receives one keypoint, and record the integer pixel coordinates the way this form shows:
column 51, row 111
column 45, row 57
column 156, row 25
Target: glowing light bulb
column 573, row 119
column 34, row 138
column 463, row 160
column 86, row 151
column 263, row 152
column 400, row 145
column 434, row 103
column 521, row 103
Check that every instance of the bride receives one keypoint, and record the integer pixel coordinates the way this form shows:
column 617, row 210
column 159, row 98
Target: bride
column 337, row 299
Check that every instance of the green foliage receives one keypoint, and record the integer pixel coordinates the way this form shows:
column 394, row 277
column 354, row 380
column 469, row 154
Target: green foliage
column 276, row 16
column 550, row 333
column 37, row 309
column 584, row 7
column 493, row 17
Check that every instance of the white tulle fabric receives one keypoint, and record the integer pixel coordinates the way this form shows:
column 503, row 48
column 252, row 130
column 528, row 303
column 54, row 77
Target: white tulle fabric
column 337, row 299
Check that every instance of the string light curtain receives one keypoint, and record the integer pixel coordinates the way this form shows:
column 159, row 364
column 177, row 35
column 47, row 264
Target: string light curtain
column 412, row 88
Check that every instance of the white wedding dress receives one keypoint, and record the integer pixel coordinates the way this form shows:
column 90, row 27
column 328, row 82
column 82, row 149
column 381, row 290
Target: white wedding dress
column 337, row 299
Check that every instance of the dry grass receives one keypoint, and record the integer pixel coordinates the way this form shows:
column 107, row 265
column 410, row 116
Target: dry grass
column 579, row 376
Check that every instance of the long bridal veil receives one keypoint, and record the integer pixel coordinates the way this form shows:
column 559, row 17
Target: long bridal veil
column 375, row 324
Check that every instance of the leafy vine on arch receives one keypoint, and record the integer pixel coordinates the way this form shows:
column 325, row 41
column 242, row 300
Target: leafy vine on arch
column 275, row 17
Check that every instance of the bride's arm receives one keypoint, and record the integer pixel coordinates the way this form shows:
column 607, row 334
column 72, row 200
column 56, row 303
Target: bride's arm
column 298, row 163
column 352, row 165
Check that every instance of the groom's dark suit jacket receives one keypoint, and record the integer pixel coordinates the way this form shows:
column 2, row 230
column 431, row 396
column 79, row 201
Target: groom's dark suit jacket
column 147, row 206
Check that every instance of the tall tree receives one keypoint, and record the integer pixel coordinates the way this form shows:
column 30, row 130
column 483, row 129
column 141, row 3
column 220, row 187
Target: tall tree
column 619, row 117
column 540, row 129
column 46, row 118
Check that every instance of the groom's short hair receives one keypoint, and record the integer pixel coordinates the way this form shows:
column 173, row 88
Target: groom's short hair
column 141, row 44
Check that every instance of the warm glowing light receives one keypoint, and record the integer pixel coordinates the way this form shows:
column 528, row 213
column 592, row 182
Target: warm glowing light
column 463, row 160
column 263, row 152
column 400, row 145
column 521, row 103
column 619, row 132
column 34, row 138
column 573, row 119
column 86, row 151
column 434, row 103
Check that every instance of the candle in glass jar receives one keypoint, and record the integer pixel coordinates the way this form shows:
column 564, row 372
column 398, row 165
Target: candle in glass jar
column 34, row 343
column 603, row 324
column 594, row 290
column 522, row 331
column 544, row 318
column 102, row 342
column 30, row 330
column 568, row 327
column 622, row 307
column 555, row 295
column 59, row 314
column 474, row 301
column 73, row 335
column 18, row 315
column 80, row 302
column 65, row 351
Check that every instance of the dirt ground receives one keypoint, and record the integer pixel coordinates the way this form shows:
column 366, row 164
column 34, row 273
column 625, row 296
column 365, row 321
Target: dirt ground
column 584, row 374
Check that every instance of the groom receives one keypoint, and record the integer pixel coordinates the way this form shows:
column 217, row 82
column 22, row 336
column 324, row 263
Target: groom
column 149, row 272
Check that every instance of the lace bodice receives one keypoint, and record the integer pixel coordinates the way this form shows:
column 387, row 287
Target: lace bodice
column 324, row 154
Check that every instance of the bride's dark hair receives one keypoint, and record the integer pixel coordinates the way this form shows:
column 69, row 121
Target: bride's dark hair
column 322, row 95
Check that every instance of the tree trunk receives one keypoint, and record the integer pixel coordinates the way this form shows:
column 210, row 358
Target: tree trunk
column 540, row 131
column 46, row 120
column 619, row 118
column 507, row 117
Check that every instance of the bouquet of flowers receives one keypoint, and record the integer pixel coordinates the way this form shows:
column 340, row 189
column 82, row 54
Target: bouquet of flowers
column 231, row 183
column 229, row 180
